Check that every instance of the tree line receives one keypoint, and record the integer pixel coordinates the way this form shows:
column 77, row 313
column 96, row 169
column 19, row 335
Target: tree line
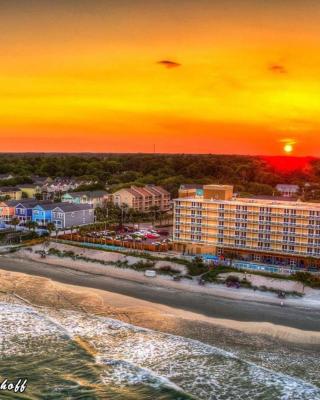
column 249, row 174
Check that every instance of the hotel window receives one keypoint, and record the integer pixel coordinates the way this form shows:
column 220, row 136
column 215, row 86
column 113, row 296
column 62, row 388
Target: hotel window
column 285, row 229
column 311, row 222
column 243, row 225
column 261, row 218
column 292, row 230
column 310, row 231
column 177, row 235
column 312, row 213
column 199, row 221
column 293, row 212
column 291, row 248
column 193, row 220
column 293, row 220
column 220, row 232
column 309, row 250
column 199, row 213
column 220, row 240
column 292, row 239
column 310, row 241
column 238, row 208
column 221, row 223
column 286, row 211
column 177, row 211
column 286, row 220
column 284, row 247
column 221, row 206
column 221, row 215
column 237, row 233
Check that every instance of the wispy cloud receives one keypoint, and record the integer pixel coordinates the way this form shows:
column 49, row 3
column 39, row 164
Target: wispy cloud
column 169, row 63
column 278, row 69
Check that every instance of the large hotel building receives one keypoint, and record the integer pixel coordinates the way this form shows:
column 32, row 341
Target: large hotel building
column 212, row 220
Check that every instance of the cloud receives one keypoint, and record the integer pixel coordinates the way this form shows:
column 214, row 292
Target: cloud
column 169, row 64
column 277, row 69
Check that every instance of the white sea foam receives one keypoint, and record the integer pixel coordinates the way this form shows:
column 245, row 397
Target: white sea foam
column 133, row 355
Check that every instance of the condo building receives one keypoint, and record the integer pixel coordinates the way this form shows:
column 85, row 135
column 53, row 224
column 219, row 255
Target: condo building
column 213, row 220
column 143, row 198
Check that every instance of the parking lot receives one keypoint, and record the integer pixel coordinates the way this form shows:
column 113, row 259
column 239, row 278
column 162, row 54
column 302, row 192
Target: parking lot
column 146, row 234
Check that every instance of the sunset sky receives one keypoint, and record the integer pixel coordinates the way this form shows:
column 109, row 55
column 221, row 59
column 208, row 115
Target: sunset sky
column 201, row 76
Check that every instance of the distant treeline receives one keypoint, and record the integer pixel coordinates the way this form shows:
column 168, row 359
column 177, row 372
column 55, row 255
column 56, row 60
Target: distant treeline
column 250, row 175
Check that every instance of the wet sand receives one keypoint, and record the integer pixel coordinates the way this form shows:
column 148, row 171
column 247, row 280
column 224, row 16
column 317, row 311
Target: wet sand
column 145, row 299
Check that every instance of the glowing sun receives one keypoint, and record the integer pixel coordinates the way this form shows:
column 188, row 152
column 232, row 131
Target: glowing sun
column 288, row 148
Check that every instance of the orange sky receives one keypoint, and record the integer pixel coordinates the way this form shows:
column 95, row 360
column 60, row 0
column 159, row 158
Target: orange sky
column 87, row 76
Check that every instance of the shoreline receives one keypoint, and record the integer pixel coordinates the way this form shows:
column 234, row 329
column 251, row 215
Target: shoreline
column 91, row 265
column 44, row 293
column 201, row 306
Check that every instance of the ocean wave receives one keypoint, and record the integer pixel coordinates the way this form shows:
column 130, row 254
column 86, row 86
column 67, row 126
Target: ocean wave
column 132, row 355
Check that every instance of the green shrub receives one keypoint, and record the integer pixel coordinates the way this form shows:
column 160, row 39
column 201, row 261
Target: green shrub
column 233, row 279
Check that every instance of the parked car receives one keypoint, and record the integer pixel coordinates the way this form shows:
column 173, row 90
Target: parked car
column 150, row 273
column 152, row 235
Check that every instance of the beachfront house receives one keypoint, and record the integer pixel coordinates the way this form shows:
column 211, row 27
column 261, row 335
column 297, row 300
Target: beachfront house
column 30, row 190
column 42, row 213
column 7, row 210
column 96, row 198
column 10, row 192
column 67, row 215
column 24, row 209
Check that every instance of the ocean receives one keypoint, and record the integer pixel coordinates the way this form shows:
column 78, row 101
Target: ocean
column 74, row 355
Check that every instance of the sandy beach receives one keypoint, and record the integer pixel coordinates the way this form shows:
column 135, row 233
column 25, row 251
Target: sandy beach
column 310, row 299
column 151, row 306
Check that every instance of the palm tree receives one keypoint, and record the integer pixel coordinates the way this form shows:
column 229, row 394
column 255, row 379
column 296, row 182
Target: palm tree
column 15, row 222
column 50, row 227
column 155, row 210
column 31, row 225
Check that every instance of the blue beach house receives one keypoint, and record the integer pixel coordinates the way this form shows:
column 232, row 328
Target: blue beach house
column 23, row 210
column 42, row 213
